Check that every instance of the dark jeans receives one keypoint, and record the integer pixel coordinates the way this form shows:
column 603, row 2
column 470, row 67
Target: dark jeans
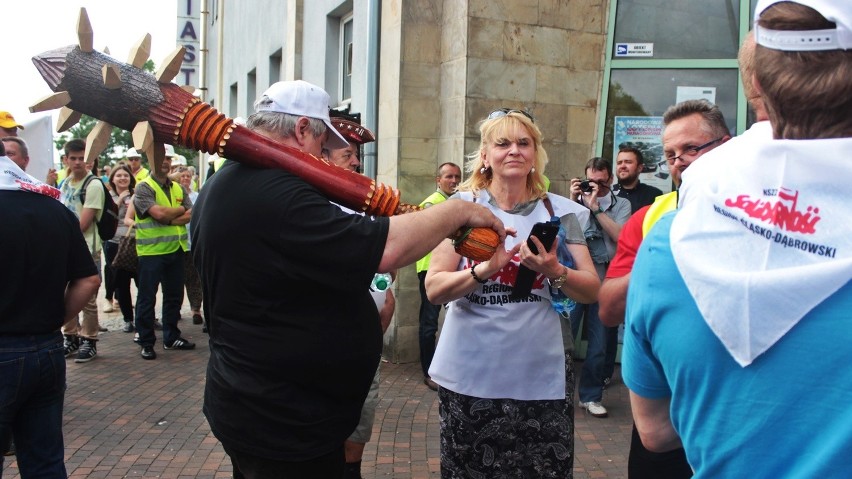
column 32, row 390
column 611, row 352
column 110, row 250
column 428, row 326
column 120, row 282
column 591, row 379
column 165, row 270
column 247, row 466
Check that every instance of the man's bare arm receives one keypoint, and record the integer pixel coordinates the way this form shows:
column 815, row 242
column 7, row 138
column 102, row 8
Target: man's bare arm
column 78, row 293
column 412, row 235
column 653, row 421
column 612, row 300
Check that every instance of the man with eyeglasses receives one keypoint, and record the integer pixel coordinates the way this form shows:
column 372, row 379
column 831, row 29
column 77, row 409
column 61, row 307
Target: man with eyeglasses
column 134, row 160
column 607, row 215
column 691, row 129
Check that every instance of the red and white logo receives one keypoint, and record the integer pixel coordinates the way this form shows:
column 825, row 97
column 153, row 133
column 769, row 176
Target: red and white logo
column 783, row 213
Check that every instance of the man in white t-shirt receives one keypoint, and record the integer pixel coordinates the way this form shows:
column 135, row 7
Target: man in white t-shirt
column 82, row 337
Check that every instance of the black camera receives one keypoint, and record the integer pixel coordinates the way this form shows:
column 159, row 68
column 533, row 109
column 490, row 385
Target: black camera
column 586, row 186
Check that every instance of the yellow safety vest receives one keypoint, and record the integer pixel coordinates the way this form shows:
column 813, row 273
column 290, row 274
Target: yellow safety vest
column 435, row 198
column 153, row 238
column 141, row 175
column 662, row 205
column 61, row 175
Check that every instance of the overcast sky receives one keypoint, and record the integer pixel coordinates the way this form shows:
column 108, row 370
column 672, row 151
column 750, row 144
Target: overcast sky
column 31, row 27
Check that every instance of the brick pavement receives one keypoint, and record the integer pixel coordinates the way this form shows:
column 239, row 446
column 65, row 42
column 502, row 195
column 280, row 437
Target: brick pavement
column 126, row 417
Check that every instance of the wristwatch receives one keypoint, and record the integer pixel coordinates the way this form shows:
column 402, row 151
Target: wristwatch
column 599, row 211
column 559, row 281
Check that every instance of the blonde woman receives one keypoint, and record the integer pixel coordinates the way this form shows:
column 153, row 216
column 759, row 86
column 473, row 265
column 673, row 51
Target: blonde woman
column 506, row 382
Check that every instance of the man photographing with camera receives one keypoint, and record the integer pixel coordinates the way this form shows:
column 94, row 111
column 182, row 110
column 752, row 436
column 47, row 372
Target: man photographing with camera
column 608, row 214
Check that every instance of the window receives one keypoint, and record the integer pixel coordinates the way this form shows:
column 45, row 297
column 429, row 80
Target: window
column 647, row 93
column 233, row 111
column 345, row 61
column 664, row 52
column 275, row 67
column 251, row 91
column 687, row 30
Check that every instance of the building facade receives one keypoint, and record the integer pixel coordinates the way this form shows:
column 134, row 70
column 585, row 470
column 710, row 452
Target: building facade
column 595, row 74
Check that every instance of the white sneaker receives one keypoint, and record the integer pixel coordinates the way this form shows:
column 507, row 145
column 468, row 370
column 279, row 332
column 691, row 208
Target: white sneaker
column 108, row 308
column 596, row 409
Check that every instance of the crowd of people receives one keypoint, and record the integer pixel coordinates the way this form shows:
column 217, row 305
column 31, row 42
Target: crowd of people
column 721, row 284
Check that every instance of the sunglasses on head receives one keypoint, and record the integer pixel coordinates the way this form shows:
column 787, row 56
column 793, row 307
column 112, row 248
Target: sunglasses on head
column 505, row 111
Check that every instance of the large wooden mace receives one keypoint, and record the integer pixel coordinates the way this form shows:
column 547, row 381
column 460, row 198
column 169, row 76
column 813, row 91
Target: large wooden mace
column 159, row 112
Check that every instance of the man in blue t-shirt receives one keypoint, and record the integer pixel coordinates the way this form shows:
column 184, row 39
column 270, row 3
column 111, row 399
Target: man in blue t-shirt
column 751, row 271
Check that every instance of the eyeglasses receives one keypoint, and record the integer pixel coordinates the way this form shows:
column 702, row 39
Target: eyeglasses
column 500, row 112
column 134, row 159
column 692, row 151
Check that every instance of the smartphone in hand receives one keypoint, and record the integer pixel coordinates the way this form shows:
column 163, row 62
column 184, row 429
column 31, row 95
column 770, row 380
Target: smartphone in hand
column 545, row 232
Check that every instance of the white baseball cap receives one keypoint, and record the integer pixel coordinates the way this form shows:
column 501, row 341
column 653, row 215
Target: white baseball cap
column 179, row 160
column 839, row 38
column 301, row 98
column 170, row 151
column 132, row 153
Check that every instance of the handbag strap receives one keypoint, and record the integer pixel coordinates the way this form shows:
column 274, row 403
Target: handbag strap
column 129, row 230
column 548, row 205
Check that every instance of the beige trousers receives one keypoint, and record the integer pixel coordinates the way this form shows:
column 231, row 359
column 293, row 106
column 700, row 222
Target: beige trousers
column 90, row 327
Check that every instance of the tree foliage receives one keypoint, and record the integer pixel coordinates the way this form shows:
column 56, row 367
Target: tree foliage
column 620, row 103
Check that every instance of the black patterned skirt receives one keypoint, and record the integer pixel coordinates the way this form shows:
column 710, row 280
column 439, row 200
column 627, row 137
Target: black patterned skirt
column 507, row 438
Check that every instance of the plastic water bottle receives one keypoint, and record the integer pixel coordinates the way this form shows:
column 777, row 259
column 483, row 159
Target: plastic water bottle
column 381, row 282
column 379, row 288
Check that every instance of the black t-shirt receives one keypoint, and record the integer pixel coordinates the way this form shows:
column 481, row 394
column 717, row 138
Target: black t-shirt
column 43, row 250
column 642, row 195
column 294, row 335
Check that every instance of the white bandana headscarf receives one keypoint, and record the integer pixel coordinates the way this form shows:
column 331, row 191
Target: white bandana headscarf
column 13, row 178
column 763, row 236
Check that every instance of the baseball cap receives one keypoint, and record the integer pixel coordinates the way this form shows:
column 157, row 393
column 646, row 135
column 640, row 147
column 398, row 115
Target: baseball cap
column 301, row 98
column 8, row 121
column 132, row 153
column 839, row 38
column 179, row 160
column 170, row 151
column 352, row 131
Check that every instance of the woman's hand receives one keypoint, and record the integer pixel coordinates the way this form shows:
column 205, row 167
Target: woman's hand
column 546, row 262
column 445, row 282
column 501, row 258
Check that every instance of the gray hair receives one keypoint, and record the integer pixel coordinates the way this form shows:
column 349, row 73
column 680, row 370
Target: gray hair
column 713, row 122
column 282, row 124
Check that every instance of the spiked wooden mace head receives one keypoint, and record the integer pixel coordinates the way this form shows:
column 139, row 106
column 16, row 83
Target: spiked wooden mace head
column 159, row 112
